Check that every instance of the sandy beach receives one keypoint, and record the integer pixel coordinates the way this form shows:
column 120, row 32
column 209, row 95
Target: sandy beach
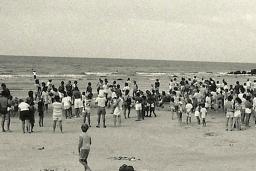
column 160, row 144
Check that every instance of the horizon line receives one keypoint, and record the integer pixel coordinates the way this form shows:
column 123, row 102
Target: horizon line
column 80, row 57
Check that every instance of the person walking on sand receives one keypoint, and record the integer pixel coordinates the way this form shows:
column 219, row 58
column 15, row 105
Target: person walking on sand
column 84, row 145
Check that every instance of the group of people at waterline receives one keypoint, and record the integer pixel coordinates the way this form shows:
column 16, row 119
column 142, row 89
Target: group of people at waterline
column 185, row 98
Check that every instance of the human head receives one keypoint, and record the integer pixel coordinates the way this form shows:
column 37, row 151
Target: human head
column 57, row 98
column 84, row 127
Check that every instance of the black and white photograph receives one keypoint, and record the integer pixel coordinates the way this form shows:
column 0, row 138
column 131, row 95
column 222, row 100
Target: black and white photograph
column 127, row 85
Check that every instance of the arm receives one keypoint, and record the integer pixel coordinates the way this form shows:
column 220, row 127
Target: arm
column 80, row 143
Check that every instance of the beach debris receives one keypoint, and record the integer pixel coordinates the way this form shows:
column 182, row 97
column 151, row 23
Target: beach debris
column 40, row 148
column 124, row 158
column 47, row 169
column 210, row 134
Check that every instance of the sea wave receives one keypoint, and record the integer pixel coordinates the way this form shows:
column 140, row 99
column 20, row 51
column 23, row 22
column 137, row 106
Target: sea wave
column 149, row 74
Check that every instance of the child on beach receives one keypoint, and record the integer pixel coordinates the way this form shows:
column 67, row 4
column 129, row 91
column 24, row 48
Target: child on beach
column 57, row 113
column 127, row 103
column 189, row 111
column 45, row 96
column 87, row 110
column 180, row 111
column 172, row 107
column 84, row 146
column 197, row 114
column 254, row 108
column 66, row 102
column 117, row 105
column 248, row 110
column 203, row 112
column 40, row 109
column 229, row 110
column 237, row 114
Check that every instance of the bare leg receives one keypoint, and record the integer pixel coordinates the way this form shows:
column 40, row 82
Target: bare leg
column 54, row 125
column 89, row 118
column 114, row 120
column 60, row 125
column 104, row 120
column 119, row 120
column 8, row 121
column 23, row 126
column 227, row 124
column 2, row 123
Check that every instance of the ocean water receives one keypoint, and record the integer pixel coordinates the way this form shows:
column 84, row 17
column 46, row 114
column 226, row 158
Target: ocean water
column 16, row 71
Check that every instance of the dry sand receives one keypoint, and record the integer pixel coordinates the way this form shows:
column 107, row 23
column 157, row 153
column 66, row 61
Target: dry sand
column 160, row 143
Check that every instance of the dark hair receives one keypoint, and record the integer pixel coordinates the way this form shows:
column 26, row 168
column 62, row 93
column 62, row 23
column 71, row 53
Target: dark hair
column 127, row 92
column 84, row 127
column 238, row 100
column 3, row 85
column 30, row 93
column 230, row 98
column 4, row 93
column 57, row 98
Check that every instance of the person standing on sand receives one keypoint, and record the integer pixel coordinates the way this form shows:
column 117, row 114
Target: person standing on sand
column 203, row 112
column 135, row 88
column 40, row 109
column 30, row 101
column 237, row 114
column 24, row 116
column 189, row 111
column 7, row 91
column 101, row 101
column 248, row 110
column 229, row 110
column 69, row 88
column 4, row 104
column 66, row 102
column 126, row 103
column 88, row 92
column 84, row 145
column 45, row 97
column 34, row 73
column 57, row 113
column 117, row 105
column 138, row 106
column 77, row 101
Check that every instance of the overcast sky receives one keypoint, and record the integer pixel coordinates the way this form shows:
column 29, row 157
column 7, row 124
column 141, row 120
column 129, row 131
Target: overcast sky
column 202, row 30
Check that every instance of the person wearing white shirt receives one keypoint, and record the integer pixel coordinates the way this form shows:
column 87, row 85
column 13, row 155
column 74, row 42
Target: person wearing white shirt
column 189, row 107
column 101, row 101
column 24, row 115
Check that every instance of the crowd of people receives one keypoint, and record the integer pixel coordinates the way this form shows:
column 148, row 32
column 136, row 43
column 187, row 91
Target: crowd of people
column 184, row 98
